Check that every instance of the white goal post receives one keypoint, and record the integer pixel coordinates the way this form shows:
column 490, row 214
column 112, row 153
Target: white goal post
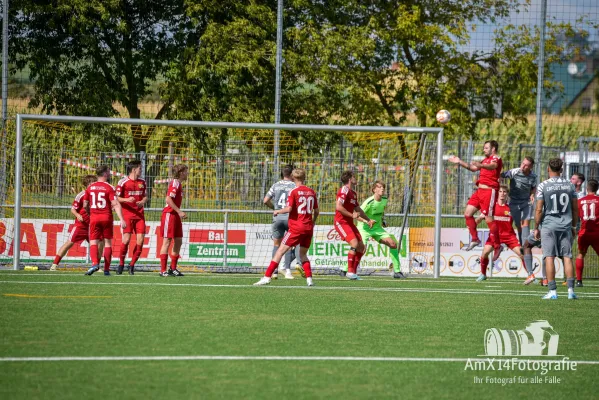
column 22, row 118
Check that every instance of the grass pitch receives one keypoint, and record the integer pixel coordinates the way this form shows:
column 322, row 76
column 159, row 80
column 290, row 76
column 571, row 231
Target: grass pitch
column 69, row 336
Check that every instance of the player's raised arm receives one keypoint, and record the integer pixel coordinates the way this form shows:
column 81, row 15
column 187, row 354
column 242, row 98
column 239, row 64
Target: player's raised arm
column 463, row 164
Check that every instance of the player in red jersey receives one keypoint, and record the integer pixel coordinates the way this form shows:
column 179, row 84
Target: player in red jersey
column 346, row 210
column 131, row 193
column 507, row 235
column 302, row 207
column 171, row 226
column 588, row 209
column 80, row 230
column 100, row 200
column 485, row 197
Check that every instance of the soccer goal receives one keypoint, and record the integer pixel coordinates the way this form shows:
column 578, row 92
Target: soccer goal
column 231, row 168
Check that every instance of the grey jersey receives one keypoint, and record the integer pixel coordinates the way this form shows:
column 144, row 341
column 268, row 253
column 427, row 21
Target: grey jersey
column 558, row 194
column 520, row 185
column 279, row 192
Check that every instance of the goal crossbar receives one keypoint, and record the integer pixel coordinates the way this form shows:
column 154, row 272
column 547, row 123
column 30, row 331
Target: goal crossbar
column 21, row 118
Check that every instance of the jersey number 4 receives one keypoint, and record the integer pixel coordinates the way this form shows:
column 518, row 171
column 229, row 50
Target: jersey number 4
column 588, row 212
column 99, row 202
column 306, row 205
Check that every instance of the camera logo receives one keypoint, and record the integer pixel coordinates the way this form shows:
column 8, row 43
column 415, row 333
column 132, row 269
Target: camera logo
column 537, row 339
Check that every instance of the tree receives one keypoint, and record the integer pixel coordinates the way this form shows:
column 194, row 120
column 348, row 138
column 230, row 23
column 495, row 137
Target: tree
column 87, row 57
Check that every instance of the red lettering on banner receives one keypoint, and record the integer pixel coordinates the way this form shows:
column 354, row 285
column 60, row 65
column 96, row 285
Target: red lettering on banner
column 2, row 242
column 30, row 245
column 51, row 231
column 333, row 235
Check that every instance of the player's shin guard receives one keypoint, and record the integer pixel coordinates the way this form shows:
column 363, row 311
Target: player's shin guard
column 93, row 254
column 351, row 262
column 471, row 224
column 163, row 261
column 579, row 268
column 357, row 260
column 525, row 234
column 307, row 268
column 107, row 258
column 271, row 268
column 528, row 263
column 174, row 259
column 484, row 262
column 136, row 254
column 123, row 253
column 288, row 258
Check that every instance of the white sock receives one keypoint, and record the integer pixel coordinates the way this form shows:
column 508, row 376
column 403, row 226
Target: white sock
column 309, row 280
column 553, row 292
column 570, row 290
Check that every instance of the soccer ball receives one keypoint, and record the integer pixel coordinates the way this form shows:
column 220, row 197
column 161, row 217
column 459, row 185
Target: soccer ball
column 443, row 117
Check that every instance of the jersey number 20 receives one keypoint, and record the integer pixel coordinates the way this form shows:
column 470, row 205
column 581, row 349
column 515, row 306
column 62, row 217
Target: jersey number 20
column 306, row 205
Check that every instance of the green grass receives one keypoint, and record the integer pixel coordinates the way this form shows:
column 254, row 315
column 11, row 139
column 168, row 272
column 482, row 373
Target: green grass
column 218, row 315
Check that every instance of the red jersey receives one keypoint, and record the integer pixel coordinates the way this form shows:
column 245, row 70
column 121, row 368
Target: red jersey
column 349, row 200
column 504, row 221
column 303, row 202
column 100, row 195
column 78, row 206
column 490, row 177
column 588, row 209
column 132, row 188
column 175, row 191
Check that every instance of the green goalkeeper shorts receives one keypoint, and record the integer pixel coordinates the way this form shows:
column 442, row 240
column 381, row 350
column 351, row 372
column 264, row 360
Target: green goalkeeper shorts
column 377, row 232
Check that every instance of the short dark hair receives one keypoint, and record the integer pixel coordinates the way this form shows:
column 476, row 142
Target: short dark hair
column 579, row 175
column 592, row 185
column 493, row 144
column 346, row 176
column 102, row 170
column 556, row 164
column 286, row 171
column 178, row 170
column 530, row 159
column 131, row 165
column 88, row 180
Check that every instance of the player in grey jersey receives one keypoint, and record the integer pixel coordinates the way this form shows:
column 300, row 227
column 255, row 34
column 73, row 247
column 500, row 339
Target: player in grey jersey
column 276, row 199
column 557, row 210
column 523, row 183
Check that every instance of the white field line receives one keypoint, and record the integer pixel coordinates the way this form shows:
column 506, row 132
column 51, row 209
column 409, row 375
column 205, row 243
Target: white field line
column 287, row 358
column 276, row 286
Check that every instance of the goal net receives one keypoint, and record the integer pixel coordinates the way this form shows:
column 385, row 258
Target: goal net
column 231, row 169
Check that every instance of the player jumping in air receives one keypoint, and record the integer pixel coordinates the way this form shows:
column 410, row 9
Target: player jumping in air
column 279, row 192
column 80, row 231
column 100, row 197
column 588, row 208
column 557, row 210
column 171, row 225
column 374, row 208
column 485, row 197
column 346, row 210
column 507, row 236
column 131, row 193
column 302, row 207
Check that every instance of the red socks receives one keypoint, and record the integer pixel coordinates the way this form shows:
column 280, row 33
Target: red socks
column 579, row 268
column 271, row 268
column 107, row 258
column 136, row 254
column 484, row 262
column 307, row 269
column 174, row 260
column 123, row 254
column 93, row 254
column 471, row 224
column 357, row 259
column 163, row 261
column 57, row 259
column 351, row 266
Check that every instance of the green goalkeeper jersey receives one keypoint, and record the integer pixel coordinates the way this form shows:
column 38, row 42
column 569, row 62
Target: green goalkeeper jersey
column 374, row 210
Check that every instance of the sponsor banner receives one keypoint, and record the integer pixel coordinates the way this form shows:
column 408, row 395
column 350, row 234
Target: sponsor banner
column 248, row 245
column 455, row 261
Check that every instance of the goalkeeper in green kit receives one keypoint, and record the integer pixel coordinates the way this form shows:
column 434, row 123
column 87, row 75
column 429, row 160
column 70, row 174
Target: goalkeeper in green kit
column 374, row 208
